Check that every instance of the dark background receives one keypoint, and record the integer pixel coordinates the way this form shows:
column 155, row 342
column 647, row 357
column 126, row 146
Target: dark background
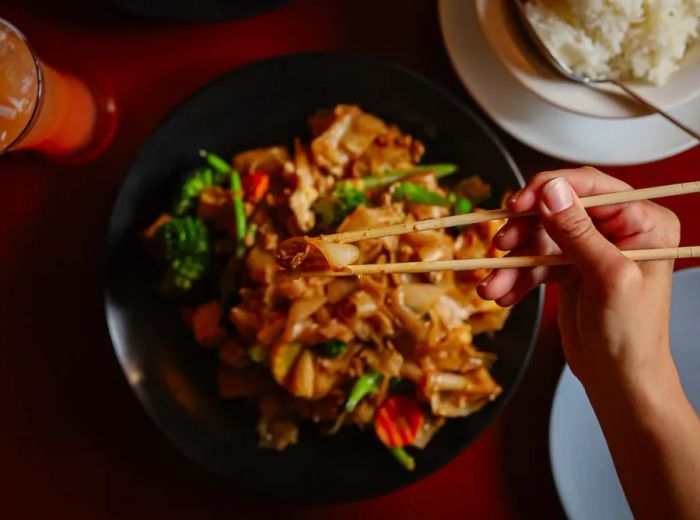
column 74, row 442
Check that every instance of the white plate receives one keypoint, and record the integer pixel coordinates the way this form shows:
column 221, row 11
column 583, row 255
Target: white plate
column 581, row 464
column 509, row 43
column 537, row 123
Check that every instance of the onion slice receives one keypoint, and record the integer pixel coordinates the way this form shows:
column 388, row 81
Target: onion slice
column 421, row 297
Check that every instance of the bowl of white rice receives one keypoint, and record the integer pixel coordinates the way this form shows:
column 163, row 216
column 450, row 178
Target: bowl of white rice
column 651, row 44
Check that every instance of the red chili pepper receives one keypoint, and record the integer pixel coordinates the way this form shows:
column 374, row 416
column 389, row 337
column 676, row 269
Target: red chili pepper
column 255, row 186
column 398, row 421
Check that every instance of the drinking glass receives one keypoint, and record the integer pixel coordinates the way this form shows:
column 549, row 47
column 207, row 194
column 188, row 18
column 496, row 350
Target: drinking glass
column 46, row 110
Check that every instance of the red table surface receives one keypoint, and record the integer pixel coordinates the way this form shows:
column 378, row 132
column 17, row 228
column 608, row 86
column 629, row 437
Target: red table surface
column 74, row 442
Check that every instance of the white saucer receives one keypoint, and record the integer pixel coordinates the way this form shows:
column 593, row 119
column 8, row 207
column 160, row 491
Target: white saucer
column 581, row 464
column 509, row 42
column 544, row 127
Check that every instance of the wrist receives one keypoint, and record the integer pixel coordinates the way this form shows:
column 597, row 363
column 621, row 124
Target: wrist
column 630, row 365
column 640, row 391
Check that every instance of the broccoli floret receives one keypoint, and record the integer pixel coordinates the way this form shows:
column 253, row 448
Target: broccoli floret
column 186, row 245
column 349, row 198
column 193, row 185
column 331, row 210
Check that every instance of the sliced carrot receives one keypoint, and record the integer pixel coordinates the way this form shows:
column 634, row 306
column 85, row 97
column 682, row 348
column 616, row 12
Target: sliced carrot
column 150, row 232
column 398, row 421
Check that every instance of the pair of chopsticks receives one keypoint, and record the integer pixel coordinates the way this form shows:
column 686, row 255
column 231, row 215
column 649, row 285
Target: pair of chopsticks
column 620, row 197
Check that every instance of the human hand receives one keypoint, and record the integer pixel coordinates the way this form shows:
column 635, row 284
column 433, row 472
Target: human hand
column 613, row 312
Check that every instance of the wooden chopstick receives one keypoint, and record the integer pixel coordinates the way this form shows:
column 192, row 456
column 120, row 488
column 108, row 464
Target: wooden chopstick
column 656, row 192
column 638, row 255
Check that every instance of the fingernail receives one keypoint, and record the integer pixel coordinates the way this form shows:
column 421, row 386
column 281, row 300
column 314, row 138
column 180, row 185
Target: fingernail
column 500, row 234
column 486, row 280
column 557, row 195
column 514, row 198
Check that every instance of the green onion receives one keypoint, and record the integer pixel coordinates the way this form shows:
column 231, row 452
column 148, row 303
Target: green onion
column 250, row 234
column 366, row 384
column 381, row 180
column 384, row 179
column 215, row 161
column 239, row 210
column 331, row 348
column 222, row 166
column 404, row 458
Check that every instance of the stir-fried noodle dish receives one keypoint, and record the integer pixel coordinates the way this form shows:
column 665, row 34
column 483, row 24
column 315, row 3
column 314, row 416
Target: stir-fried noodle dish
column 392, row 353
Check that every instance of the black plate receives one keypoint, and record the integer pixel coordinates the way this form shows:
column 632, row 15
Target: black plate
column 198, row 10
column 262, row 104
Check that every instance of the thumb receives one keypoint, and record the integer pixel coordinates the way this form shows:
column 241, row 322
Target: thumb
column 569, row 225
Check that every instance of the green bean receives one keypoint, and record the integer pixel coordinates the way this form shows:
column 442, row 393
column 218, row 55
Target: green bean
column 239, row 210
column 404, row 458
column 382, row 180
column 215, row 161
column 417, row 194
column 366, row 384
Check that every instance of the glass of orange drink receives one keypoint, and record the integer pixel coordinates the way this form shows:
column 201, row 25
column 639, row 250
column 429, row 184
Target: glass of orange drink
column 46, row 110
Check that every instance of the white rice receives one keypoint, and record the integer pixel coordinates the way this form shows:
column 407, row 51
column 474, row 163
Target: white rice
column 622, row 39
